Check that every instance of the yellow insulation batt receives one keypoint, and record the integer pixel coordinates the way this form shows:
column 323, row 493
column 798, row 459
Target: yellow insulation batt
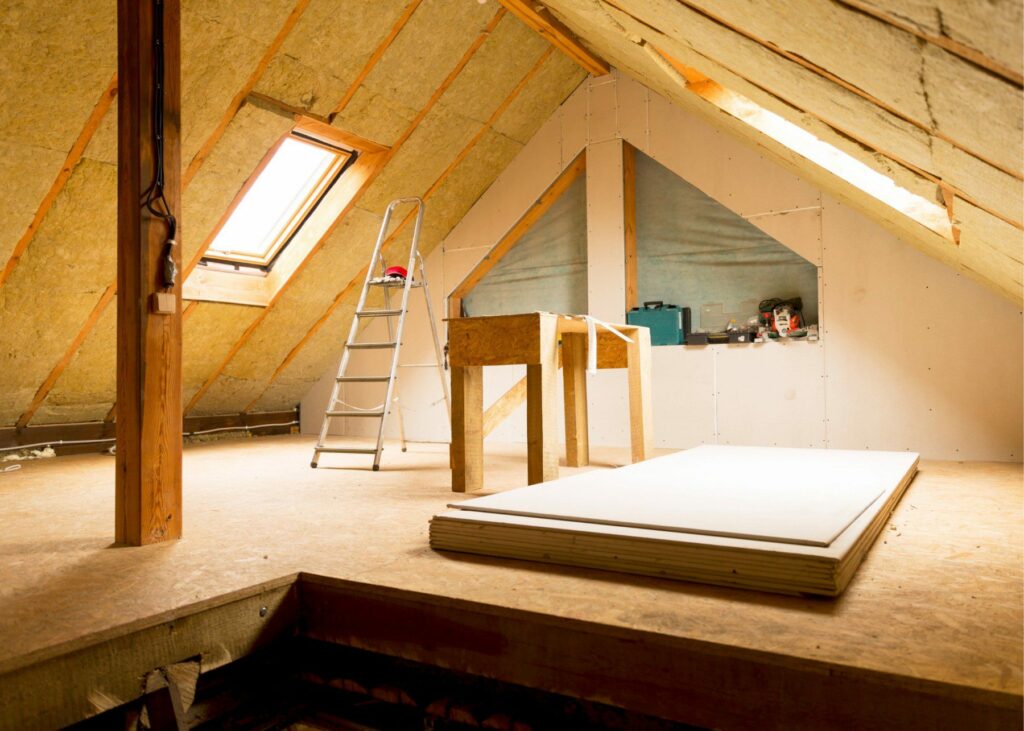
column 72, row 257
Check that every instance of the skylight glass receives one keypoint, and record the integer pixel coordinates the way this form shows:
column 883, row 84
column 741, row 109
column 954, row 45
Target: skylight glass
column 288, row 187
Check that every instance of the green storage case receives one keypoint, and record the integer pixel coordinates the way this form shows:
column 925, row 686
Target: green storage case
column 668, row 324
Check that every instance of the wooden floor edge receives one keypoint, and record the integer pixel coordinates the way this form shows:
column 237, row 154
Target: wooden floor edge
column 505, row 643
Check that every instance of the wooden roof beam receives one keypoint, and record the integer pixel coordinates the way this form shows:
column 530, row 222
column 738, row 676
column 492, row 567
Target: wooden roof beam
column 541, row 20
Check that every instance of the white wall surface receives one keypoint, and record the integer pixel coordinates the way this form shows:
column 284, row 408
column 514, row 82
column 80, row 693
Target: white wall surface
column 912, row 355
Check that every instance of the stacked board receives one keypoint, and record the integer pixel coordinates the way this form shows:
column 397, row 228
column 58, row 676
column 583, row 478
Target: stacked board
column 795, row 521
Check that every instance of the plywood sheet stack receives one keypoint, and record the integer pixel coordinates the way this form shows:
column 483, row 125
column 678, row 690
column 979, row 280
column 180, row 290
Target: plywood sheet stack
column 795, row 521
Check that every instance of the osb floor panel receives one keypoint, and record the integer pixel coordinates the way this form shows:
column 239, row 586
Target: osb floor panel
column 939, row 596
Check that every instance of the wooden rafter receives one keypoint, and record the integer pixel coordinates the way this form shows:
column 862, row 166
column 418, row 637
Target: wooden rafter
column 547, row 25
column 512, row 236
column 708, row 89
column 413, row 125
column 435, row 186
column 55, row 373
column 377, row 54
column 92, row 123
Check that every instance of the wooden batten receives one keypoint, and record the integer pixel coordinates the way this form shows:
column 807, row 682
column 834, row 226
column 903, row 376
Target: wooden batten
column 541, row 20
column 629, row 223
column 377, row 54
column 148, row 473
column 74, row 155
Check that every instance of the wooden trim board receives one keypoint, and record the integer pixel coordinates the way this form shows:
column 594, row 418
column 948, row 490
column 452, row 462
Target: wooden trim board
column 718, row 559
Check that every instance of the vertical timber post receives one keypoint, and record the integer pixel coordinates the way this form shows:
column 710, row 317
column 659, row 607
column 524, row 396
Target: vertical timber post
column 148, row 412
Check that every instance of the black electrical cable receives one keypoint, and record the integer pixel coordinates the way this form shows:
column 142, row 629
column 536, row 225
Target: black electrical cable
column 154, row 199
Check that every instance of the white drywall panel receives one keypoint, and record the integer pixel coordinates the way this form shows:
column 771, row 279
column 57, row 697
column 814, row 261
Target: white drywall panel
column 800, row 227
column 602, row 110
column 572, row 119
column 917, row 357
column 684, row 396
column 771, row 394
column 632, row 118
column 606, row 254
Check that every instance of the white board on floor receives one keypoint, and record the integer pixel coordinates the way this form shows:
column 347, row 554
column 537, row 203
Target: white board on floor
column 798, row 496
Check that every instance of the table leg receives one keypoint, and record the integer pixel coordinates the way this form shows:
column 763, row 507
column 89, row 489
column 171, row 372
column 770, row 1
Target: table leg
column 574, row 380
column 467, row 428
column 641, row 425
column 541, row 405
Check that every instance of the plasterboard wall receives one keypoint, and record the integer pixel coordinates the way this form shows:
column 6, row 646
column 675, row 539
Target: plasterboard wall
column 912, row 355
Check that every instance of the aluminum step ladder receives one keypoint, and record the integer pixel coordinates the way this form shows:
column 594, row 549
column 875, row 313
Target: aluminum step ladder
column 416, row 279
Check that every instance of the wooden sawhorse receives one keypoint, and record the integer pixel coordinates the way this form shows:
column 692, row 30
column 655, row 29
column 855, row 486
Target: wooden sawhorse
column 533, row 339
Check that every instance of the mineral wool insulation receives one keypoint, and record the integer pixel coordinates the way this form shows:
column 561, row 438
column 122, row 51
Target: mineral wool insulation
column 223, row 42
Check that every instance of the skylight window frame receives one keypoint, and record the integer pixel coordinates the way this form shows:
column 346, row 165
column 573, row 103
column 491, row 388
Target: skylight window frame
column 243, row 263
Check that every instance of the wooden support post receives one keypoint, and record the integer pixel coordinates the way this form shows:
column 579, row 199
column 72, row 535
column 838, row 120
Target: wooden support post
column 641, row 423
column 541, row 405
column 574, row 380
column 149, row 416
column 467, row 455
column 629, row 223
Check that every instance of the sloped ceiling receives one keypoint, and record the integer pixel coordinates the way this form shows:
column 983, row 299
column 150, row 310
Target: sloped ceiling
column 927, row 92
column 455, row 89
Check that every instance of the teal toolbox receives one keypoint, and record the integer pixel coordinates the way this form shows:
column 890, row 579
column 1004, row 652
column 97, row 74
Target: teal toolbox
column 669, row 324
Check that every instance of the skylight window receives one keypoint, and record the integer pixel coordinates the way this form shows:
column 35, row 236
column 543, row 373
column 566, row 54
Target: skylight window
column 290, row 184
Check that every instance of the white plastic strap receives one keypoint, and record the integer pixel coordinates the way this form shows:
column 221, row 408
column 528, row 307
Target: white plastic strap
column 592, row 323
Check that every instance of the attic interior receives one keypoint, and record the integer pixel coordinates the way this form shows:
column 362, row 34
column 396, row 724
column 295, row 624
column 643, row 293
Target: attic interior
column 632, row 364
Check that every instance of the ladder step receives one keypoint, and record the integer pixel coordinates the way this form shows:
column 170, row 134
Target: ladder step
column 377, row 413
column 370, row 346
column 378, row 313
column 393, row 283
column 362, row 379
column 346, row 450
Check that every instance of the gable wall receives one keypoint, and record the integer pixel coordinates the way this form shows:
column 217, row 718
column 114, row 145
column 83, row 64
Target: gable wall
column 912, row 355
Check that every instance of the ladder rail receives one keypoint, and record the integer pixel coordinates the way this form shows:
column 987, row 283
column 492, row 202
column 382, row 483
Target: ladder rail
column 388, row 404
column 438, row 357
column 410, row 272
column 352, row 332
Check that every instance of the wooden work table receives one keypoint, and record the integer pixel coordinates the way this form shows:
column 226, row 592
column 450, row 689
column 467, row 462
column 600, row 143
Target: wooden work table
column 540, row 340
